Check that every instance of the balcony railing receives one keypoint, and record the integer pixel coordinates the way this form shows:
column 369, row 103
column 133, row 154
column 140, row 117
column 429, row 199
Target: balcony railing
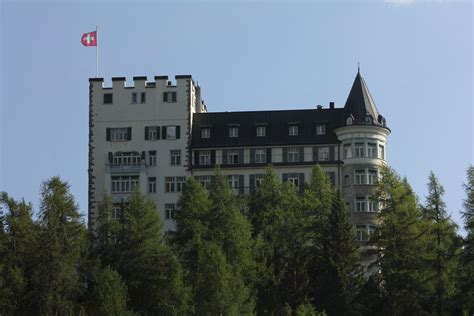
column 126, row 168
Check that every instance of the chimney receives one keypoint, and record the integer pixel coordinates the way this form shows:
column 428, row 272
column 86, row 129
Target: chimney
column 331, row 105
column 319, row 107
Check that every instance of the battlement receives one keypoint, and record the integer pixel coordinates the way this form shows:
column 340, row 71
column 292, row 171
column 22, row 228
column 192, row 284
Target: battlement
column 140, row 82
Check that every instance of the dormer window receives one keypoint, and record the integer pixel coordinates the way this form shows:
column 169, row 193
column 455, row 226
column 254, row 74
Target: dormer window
column 349, row 121
column 293, row 130
column 320, row 129
column 206, row 132
column 261, row 131
column 368, row 120
column 233, row 131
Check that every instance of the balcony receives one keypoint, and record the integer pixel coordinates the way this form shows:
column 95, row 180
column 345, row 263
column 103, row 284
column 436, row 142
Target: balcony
column 125, row 168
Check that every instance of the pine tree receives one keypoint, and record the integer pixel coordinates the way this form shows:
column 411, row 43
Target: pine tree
column 401, row 237
column 106, row 234
column 109, row 294
column 341, row 270
column 466, row 279
column 146, row 264
column 57, row 281
column 231, row 231
column 442, row 246
column 17, row 248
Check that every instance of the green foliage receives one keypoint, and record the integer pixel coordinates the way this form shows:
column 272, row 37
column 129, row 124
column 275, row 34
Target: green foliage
column 109, row 294
column 401, row 237
column 57, row 281
column 106, row 234
column 146, row 264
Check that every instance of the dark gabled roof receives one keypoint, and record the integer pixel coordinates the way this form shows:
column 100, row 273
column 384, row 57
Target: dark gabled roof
column 360, row 104
column 276, row 123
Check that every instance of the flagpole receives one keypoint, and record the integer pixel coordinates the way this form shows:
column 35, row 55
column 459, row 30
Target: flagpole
column 97, row 52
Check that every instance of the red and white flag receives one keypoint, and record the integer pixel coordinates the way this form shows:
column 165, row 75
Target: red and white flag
column 89, row 39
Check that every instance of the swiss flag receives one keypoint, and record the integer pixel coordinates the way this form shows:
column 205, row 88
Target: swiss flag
column 89, row 39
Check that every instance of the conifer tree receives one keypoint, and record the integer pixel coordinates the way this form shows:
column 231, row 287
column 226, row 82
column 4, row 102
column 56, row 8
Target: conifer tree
column 401, row 237
column 146, row 264
column 57, row 282
column 106, row 234
column 442, row 246
column 466, row 278
column 18, row 247
column 109, row 294
column 341, row 270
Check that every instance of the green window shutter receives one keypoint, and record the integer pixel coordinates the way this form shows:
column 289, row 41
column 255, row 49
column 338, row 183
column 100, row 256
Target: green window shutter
column 332, row 154
column 213, row 157
column 146, row 132
column 301, row 154
column 252, row 181
column 157, row 132
column 332, row 177
column 285, row 154
column 224, row 156
column 178, row 132
column 165, row 96
column 241, row 156
column 301, row 182
column 241, row 184
column 111, row 157
column 285, row 177
column 269, row 155
column 173, row 96
column 252, row 155
column 163, row 132
column 129, row 133
column 143, row 155
column 196, row 157
column 315, row 153
column 107, row 134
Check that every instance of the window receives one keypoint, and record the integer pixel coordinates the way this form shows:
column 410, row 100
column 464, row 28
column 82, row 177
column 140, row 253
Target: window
column 381, row 152
column 360, row 204
column 116, row 212
column 323, row 153
column 204, row 157
column 134, row 97
column 126, row 158
column 371, row 230
column 180, row 182
column 170, row 184
column 359, row 176
column 371, row 150
column 170, row 210
column 293, row 130
column 347, row 180
column 294, row 178
column 174, row 184
column 261, row 131
column 206, row 132
column 175, row 157
column 260, row 156
column 320, row 129
column 233, row 131
column 372, row 176
column 233, row 156
column 151, row 132
column 361, row 233
column 347, row 150
column 259, row 179
column 170, row 132
column 152, row 157
column 108, row 98
column 349, row 121
column 234, row 182
column 118, row 134
column 205, row 181
column 293, row 155
column 372, row 204
column 359, row 149
column 152, row 185
column 143, row 97
column 169, row 96
column 124, row 184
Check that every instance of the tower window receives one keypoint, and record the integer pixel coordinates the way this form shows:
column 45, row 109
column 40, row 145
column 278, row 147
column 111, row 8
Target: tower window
column 108, row 98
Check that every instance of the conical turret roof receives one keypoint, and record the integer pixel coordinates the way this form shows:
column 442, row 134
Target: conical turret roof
column 360, row 105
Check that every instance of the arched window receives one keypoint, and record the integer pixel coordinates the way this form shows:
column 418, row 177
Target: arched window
column 368, row 119
column 349, row 121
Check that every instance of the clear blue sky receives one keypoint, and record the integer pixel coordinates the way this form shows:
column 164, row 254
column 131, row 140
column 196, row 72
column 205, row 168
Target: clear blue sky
column 416, row 57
